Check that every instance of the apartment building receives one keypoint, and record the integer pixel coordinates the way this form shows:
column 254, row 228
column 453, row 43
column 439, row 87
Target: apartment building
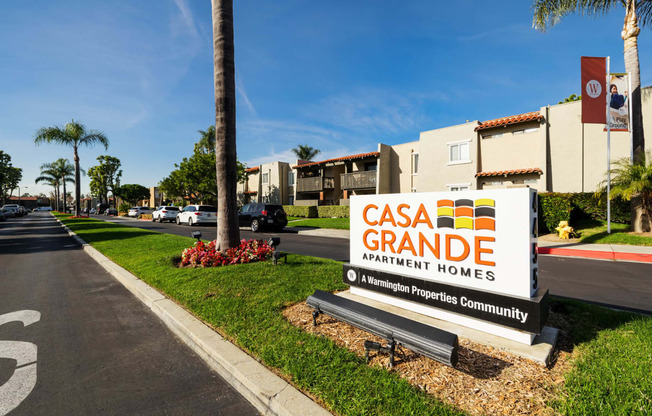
column 268, row 183
column 548, row 149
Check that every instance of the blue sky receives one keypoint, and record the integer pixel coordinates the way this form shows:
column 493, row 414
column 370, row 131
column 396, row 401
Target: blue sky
column 340, row 76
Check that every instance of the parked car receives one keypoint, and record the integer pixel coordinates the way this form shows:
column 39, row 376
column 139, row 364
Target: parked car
column 198, row 214
column 100, row 208
column 258, row 216
column 3, row 216
column 93, row 211
column 165, row 213
column 14, row 209
column 138, row 211
column 111, row 211
column 42, row 209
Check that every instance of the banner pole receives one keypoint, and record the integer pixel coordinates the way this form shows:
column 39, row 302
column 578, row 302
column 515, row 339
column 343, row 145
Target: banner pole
column 608, row 147
column 630, row 110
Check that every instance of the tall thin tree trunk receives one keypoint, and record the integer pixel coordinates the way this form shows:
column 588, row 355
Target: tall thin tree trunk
column 630, row 36
column 228, row 233
column 77, row 184
column 63, row 179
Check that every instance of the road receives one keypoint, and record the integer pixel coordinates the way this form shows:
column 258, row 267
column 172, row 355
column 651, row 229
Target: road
column 74, row 341
column 620, row 284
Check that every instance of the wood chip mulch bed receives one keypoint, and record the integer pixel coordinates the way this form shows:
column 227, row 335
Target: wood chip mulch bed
column 485, row 381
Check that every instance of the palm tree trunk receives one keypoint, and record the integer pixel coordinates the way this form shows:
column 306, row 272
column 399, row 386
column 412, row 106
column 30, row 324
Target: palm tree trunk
column 228, row 233
column 64, row 194
column 630, row 36
column 77, row 184
column 57, row 193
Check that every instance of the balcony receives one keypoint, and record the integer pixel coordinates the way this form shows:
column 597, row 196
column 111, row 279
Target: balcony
column 359, row 180
column 315, row 184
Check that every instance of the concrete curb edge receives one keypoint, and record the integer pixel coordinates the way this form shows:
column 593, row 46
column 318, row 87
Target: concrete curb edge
column 269, row 393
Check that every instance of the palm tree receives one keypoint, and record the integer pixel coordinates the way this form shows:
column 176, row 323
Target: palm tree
column 228, row 233
column 50, row 177
column 57, row 173
column 547, row 13
column 73, row 134
column 305, row 152
column 633, row 181
column 206, row 143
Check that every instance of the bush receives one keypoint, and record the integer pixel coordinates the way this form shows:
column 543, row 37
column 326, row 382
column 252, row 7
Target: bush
column 124, row 207
column 334, row 211
column 145, row 216
column 555, row 207
column 306, row 211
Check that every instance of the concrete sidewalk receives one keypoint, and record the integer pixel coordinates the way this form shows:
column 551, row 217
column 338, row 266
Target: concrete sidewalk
column 614, row 252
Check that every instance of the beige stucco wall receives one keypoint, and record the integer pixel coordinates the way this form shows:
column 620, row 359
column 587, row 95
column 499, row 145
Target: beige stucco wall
column 435, row 171
column 400, row 176
column 275, row 191
column 511, row 151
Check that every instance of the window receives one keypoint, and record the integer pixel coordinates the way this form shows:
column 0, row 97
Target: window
column 531, row 130
column 415, row 163
column 493, row 136
column 530, row 181
column 458, row 153
column 370, row 166
column 291, row 178
column 265, row 178
column 515, row 132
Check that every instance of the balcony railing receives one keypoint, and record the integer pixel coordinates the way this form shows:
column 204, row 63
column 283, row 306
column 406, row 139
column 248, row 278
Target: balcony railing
column 359, row 180
column 315, row 184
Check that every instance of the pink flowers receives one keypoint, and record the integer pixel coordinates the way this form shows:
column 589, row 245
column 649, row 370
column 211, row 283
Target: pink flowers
column 205, row 255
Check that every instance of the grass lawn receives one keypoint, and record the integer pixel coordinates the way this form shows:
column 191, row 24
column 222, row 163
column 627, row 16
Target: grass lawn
column 593, row 231
column 610, row 373
column 336, row 223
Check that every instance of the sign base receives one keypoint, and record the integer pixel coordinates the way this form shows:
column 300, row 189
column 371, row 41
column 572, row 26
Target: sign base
column 498, row 330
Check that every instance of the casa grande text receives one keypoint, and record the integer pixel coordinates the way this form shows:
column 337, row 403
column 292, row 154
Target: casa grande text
column 382, row 243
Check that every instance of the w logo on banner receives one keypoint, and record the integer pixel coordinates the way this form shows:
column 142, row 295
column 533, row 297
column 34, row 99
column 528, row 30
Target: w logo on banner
column 466, row 213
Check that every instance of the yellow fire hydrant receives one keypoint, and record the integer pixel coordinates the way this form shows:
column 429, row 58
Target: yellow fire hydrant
column 565, row 231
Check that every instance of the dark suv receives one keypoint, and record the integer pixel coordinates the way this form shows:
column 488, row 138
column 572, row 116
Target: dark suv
column 259, row 216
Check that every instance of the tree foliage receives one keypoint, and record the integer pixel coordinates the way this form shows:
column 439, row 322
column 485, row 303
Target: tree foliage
column 132, row 193
column 73, row 134
column 60, row 172
column 570, row 99
column 105, row 177
column 305, row 152
column 10, row 176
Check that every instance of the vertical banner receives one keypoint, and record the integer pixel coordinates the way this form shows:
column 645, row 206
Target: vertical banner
column 618, row 102
column 594, row 90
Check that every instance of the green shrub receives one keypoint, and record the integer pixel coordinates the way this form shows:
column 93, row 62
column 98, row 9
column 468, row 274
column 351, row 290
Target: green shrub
column 306, row 211
column 555, row 207
column 334, row 211
column 124, row 207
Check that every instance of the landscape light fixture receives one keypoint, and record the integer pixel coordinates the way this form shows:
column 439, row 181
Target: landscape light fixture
column 196, row 234
column 274, row 242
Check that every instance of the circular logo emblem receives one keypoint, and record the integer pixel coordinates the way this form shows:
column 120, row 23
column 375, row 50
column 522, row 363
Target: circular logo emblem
column 593, row 88
column 351, row 275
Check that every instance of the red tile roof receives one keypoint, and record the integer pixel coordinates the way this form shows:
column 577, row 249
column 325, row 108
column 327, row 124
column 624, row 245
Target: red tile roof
column 339, row 159
column 250, row 192
column 254, row 169
column 507, row 121
column 510, row 172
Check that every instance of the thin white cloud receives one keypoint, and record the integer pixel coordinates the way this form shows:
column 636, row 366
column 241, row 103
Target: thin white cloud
column 492, row 33
column 187, row 17
column 239, row 86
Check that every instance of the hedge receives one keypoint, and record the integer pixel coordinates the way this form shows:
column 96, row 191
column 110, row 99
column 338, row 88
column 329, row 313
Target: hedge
column 334, row 211
column 555, row 207
column 306, row 211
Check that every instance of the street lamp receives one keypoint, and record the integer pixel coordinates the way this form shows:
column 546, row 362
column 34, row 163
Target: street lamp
column 19, row 193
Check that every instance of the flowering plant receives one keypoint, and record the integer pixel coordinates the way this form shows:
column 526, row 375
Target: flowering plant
column 206, row 255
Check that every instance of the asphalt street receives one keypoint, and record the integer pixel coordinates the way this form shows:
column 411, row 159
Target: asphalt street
column 623, row 285
column 73, row 341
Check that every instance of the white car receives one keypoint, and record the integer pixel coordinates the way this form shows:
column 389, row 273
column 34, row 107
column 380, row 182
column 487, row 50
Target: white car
column 13, row 209
column 198, row 214
column 138, row 211
column 165, row 213
column 42, row 209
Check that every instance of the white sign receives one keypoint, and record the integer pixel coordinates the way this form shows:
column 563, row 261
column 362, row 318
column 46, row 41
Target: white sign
column 482, row 240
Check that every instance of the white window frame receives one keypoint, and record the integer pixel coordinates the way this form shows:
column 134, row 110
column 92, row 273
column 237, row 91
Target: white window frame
column 264, row 178
column 531, row 130
column 451, row 187
column 292, row 178
column 461, row 161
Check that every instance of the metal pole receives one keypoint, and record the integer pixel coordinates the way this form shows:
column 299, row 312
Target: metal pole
column 629, row 109
column 608, row 149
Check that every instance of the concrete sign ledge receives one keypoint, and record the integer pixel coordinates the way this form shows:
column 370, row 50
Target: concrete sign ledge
column 269, row 393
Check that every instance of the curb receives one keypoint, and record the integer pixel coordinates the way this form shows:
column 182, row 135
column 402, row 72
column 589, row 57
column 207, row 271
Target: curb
column 600, row 255
column 267, row 392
